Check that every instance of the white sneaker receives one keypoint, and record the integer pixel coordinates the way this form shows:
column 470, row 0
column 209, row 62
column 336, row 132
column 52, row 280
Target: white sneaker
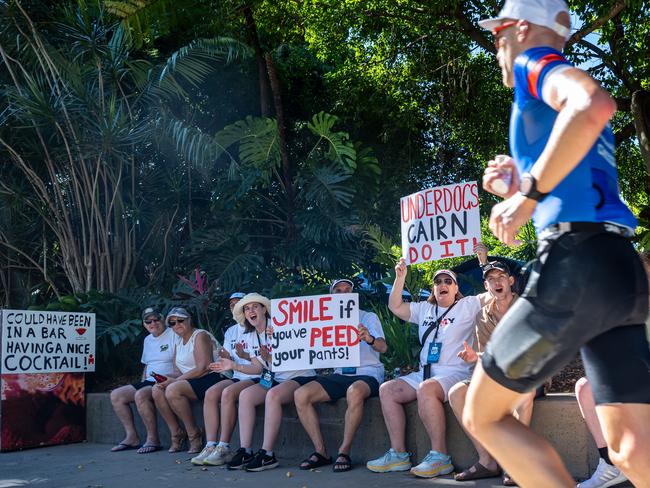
column 220, row 455
column 198, row 460
column 434, row 464
column 604, row 476
column 391, row 461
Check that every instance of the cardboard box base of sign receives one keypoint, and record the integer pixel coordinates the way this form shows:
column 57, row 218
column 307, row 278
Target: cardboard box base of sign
column 42, row 409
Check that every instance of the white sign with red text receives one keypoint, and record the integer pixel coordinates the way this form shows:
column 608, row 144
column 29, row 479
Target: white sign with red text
column 319, row 331
column 47, row 342
column 440, row 222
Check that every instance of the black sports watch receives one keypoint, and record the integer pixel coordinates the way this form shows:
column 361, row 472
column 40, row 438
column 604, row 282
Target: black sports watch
column 528, row 188
column 372, row 342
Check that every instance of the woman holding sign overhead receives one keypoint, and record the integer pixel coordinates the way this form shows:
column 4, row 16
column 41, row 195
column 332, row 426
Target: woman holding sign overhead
column 444, row 321
column 271, row 389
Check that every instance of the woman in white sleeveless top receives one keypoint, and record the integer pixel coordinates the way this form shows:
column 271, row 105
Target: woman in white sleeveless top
column 173, row 397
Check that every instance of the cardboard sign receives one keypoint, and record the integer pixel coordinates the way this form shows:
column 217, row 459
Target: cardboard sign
column 47, row 342
column 441, row 222
column 319, row 331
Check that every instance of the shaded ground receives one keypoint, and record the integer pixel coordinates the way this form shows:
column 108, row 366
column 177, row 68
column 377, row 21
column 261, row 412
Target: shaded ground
column 93, row 466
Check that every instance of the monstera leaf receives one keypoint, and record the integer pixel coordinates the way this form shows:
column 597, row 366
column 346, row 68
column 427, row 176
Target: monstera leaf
column 339, row 148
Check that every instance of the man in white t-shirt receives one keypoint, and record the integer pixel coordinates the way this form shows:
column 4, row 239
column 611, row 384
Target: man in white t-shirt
column 445, row 321
column 158, row 358
column 355, row 384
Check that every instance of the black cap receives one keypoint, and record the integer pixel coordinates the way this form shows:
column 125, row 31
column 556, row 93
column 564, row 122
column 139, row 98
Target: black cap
column 499, row 265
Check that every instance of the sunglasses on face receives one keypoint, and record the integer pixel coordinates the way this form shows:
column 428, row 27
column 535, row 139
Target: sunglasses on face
column 172, row 323
column 149, row 321
column 497, row 30
column 440, row 281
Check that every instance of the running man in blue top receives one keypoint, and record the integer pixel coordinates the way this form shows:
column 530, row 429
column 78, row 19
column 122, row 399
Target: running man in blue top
column 588, row 290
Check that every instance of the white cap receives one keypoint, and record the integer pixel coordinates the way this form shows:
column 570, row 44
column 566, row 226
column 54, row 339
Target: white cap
column 540, row 12
column 342, row 280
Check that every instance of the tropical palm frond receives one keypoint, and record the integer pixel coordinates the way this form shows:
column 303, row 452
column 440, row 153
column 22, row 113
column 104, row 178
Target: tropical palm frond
column 238, row 267
column 328, row 186
column 138, row 17
column 322, row 225
column 193, row 63
column 387, row 254
column 199, row 148
column 128, row 330
column 227, row 257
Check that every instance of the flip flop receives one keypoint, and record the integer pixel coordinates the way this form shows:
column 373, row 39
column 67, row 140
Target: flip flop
column 123, row 447
column 148, row 448
column 477, row 472
column 310, row 463
column 341, row 466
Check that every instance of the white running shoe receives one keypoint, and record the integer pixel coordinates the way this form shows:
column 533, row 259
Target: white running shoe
column 604, row 476
column 198, row 460
column 220, row 455
column 391, row 461
column 434, row 464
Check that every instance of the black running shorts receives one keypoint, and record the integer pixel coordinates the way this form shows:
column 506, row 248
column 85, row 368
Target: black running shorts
column 587, row 292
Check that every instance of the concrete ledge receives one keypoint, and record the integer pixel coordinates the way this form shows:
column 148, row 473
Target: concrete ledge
column 556, row 417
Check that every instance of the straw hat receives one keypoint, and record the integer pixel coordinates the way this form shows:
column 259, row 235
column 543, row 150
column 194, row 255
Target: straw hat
column 238, row 311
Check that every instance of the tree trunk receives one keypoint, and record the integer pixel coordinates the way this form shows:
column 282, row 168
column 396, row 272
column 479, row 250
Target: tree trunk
column 641, row 112
column 287, row 173
column 251, row 29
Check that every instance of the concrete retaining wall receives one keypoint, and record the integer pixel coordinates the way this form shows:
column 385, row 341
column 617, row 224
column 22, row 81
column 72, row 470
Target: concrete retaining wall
column 556, row 417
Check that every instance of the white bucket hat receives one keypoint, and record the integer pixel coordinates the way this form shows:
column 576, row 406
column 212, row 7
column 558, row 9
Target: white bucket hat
column 540, row 12
column 238, row 311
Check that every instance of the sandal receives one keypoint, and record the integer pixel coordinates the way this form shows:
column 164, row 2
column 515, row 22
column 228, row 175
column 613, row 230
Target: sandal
column 178, row 441
column 123, row 447
column 477, row 472
column 311, row 463
column 196, row 442
column 149, row 448
column 341, row 466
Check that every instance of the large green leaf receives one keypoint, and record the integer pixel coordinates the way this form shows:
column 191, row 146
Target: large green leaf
column 328, row 186
column 258, row 141
column 339, row 148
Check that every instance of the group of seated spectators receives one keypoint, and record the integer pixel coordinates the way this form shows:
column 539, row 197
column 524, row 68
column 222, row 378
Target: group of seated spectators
column 184, row 364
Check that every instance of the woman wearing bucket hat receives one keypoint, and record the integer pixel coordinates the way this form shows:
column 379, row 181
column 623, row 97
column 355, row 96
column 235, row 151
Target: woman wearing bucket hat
column 173, row 397
column 271, row 389
column 241, row 345
column 158, row 357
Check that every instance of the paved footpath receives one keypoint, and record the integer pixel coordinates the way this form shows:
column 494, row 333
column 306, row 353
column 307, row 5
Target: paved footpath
column 93, row 466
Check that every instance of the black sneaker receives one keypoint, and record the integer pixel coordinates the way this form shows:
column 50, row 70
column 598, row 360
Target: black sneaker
column 240, row 459
column 262, row 462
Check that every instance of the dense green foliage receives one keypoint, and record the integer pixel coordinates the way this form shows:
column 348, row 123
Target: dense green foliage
column 266, row 143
